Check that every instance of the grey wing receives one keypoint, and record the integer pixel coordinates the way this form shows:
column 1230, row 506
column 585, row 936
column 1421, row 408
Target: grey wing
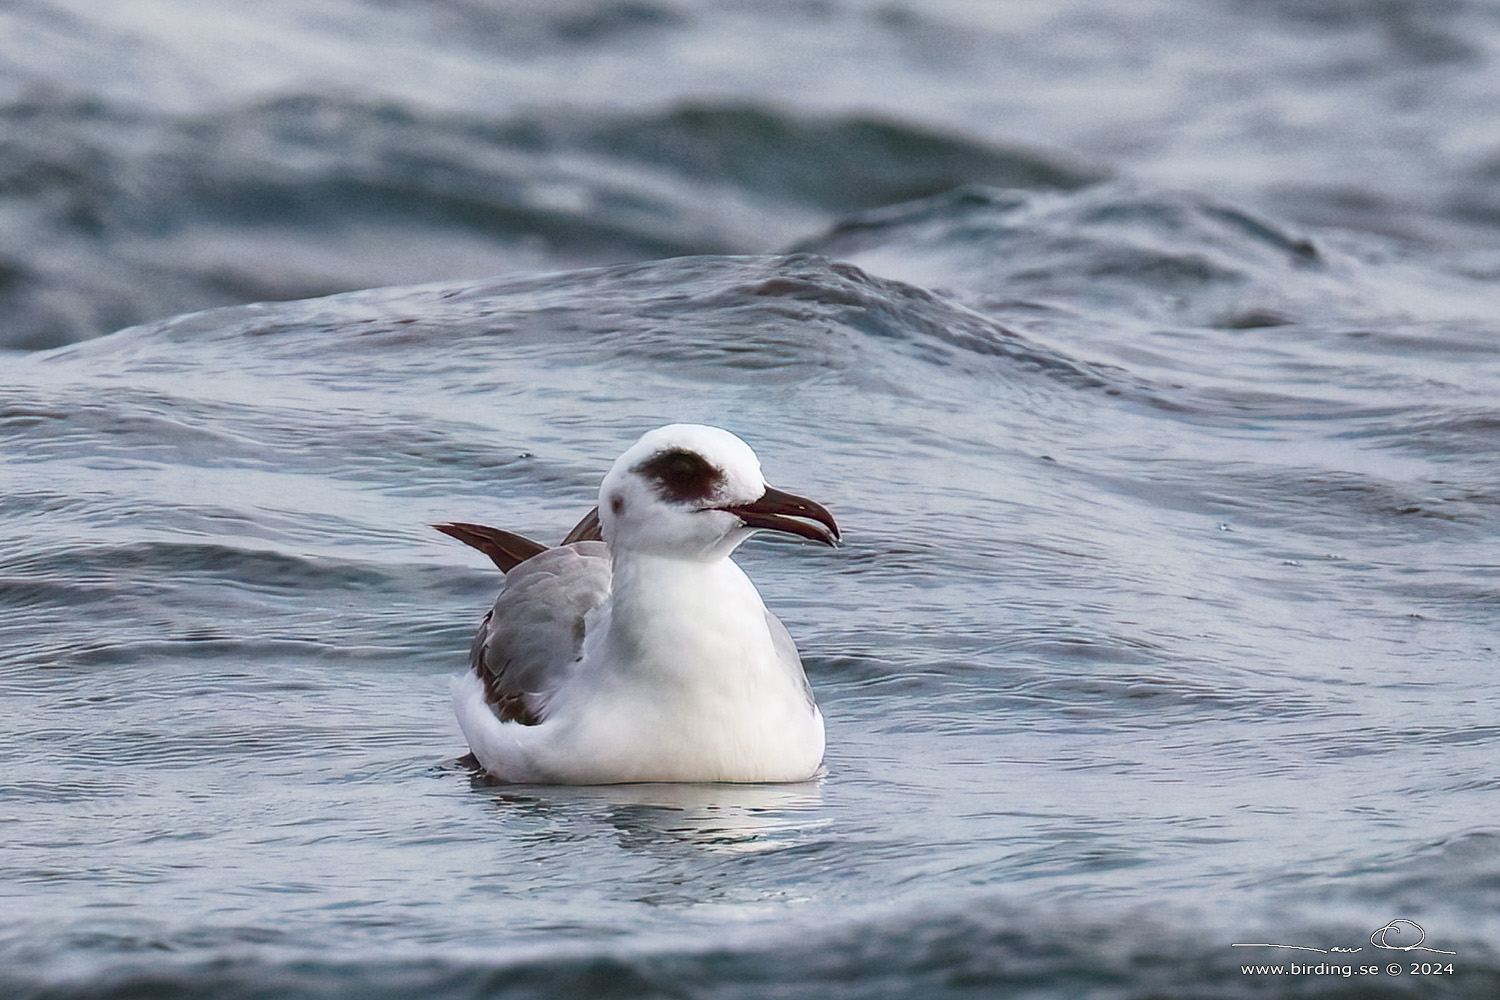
column 533, row 636
column 786, row 653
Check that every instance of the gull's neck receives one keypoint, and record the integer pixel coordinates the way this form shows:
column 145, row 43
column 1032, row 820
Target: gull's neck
column 673, row 616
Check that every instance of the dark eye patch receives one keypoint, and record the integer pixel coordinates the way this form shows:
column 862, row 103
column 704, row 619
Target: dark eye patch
column 681, row 476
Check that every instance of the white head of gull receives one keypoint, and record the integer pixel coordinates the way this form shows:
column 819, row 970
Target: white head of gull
column 637, row 650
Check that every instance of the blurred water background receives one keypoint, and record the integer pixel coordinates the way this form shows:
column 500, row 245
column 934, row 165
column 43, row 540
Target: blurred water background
column 1148, row 353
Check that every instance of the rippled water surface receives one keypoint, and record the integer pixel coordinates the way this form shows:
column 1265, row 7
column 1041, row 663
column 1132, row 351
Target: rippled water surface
column 1158, row 398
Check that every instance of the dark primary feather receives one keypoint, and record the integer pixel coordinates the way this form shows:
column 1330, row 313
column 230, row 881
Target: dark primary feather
column 506, row 549
column 587, row 530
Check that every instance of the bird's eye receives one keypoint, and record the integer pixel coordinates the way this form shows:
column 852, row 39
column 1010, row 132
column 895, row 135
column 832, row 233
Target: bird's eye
column 681, row 476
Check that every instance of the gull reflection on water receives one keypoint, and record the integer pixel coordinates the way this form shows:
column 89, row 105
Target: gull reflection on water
column 724, row 818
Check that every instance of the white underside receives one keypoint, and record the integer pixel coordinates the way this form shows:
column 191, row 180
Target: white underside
column 683, row 677
column 609, row 744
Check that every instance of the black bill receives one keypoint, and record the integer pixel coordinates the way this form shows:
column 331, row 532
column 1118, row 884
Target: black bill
column 780, row 511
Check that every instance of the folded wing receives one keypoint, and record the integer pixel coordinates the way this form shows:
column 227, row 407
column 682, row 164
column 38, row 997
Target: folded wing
column 531, row 639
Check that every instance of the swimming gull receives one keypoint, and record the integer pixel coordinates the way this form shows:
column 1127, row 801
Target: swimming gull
column 637, row 650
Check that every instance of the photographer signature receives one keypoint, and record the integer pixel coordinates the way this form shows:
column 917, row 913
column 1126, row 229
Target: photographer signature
column 1384, row 938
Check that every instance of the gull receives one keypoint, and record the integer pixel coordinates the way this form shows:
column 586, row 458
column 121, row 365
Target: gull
column 637, row 650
